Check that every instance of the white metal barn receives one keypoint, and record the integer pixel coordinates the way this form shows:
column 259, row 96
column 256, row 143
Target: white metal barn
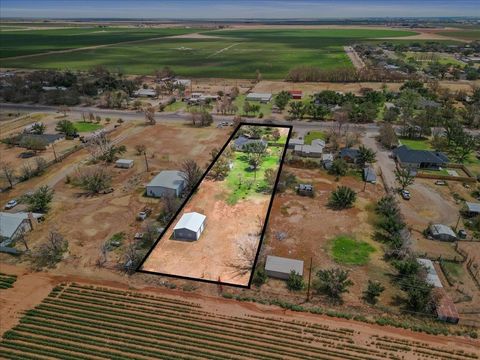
column 280, row 267
column 166, row 183
column 190, row 226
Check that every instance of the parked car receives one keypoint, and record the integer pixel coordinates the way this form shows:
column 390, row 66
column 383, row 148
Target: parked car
column 142, row 215
column 462, row 234
column 11, row 204
column 26, row 154
column 405, row 194
column 440, row 182
column 106, row 191
column 138, row 236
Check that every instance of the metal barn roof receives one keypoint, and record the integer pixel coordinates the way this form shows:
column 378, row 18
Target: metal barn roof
column 171, row 179
column 191, row 221
column 283, row 265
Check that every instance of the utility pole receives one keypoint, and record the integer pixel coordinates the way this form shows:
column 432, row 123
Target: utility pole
column 146, row 160
column 54, row 153
column 309, row 279
column 458, row 221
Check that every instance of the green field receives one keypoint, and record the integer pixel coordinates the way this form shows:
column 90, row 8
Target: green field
column 473, row 34
column 348, row 251
column 416, row 144
column 228, row 53
column 313, row 135
column 86, row 126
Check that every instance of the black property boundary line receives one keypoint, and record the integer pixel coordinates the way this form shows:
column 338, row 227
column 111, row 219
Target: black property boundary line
column 264, row 229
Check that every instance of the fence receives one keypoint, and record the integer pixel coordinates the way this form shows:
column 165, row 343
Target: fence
column 469, row 178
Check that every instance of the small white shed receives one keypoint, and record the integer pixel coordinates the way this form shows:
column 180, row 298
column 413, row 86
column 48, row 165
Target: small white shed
column 190, row 226
column 124, row 163
column 280, row 267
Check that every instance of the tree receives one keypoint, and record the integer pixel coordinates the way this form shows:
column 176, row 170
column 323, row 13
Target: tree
column 64, row 109
column 256, row 153
column 387, row 136
column 296, row 110
column 191, row 173
column 404, row 177
column 339, row 167
column 295, row 281
column 34, row 143
column 391, row 114
column 140, row 149
column 333, row 282
column 220, row 168
column 281, row 99
column 270, row 177
column 366, row 156
column 149, row 112
column 38, row 128
column 373, row 291
column 94, row 179
column 66, row 127
column 259, row 276
column 341, row 198
column 169, row 208
column 40, row 200
column 7, row 173
column 419, row 294
column 110, row 155
column 50, row 252
column 317, row 112
column 258, row 76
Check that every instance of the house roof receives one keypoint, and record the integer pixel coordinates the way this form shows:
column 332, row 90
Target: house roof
column 171, row 179
column 145, row 92
column 191, row 221
column 406, row 155
column 349, row 152
column 9, row 222
column 432, row 276
column 296, row 141
column 327, row 157
column 473, row 207
column 283, row 265
column 241, row 141
column 440, row 229
column 369, row 174
column 259, row 96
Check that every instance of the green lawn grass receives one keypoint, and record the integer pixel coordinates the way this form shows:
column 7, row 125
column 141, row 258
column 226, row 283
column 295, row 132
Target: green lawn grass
column 176, row 106
column 86, row 126
column 265, row 109
column 312, row 135
column 473, row 34
column 416, row 144
column 243, row 182
column 348, row 251
column 234, row 54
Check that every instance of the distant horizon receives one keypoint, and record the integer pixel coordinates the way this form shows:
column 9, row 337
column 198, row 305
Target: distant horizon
column 307, row 10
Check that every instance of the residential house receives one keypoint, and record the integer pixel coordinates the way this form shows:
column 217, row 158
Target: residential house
column 13, row 224
column 166, row 183
column 294, row 142
column 190, row 226
column 419, row 159
column 350, row 155
column 242, row 141
column 315, row 149
column 280, row 267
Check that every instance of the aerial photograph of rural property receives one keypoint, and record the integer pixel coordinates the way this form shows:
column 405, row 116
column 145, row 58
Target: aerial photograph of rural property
column 240, row 179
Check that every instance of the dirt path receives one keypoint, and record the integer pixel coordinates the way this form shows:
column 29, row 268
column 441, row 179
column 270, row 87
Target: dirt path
column 222, row 50
column 354, row 58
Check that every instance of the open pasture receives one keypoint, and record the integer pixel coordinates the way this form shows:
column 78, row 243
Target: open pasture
column 225, row 54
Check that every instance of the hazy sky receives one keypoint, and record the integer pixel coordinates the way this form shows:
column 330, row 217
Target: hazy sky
column 185, row 9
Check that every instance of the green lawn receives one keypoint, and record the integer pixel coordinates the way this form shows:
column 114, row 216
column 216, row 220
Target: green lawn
column 416, row 144
column 348, row 251
column 176, row 106
column 312, row 135
column 243, row 182
column 265, row 109
column 86, row 126
column 473, row 34
column 234, row 54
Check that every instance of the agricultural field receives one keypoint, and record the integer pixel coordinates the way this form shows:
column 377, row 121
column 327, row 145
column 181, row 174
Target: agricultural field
column 465, row 34
column 235, row 205
column 80, row 321
column 6, row 281
column 214, row 54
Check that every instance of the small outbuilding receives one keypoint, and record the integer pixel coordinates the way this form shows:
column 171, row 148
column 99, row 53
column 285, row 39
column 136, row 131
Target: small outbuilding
column 305, row 189
column 262, row 97
column 472, row 209
column 350, row 155
column 124, row 163
column 190, row 226
column 369, row 175
column 166, row 183
column 151, row 93
column 296, row 94
column 241, row 143
column 280, row 267
column 442, row 232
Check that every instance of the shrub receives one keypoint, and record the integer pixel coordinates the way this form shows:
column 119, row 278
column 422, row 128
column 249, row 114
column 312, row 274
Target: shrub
column 295, row 281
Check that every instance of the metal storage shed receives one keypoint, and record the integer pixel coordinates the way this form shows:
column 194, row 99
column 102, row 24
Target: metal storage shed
column 124, row 163
column 442, row 232
column 166, row 183
column 280, row 268
column 190, row 226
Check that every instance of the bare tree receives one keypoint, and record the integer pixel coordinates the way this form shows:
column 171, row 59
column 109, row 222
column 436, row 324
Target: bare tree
column 7, row 173
column 64, row 109
column 191, row 173
column 246, row 253
column 130, row 258
column 170, row 207
column 22, row 238
column 97, row 146
column 94, row 179
column 149, row 112
column 102, row 259
column 50, row 252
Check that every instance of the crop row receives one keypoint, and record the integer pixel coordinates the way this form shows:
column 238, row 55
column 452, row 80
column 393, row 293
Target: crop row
column 197, row 319
column 127, row 349
column 180, row 332
column 136, row 295
column 12, row 355
column 6, row 281
column 148, row 323
column 133, row 337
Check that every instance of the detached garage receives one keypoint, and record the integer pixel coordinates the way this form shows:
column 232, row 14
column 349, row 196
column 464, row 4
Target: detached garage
column 280, row 268
column 166, row 183
column 190, row 226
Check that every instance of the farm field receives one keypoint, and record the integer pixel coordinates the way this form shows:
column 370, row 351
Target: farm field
column 18, row 43
column 235, row 208
column 223, row 54
column 80, row 321
column 466, row 34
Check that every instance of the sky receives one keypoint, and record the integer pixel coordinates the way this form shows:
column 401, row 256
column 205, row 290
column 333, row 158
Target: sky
column 231, row 9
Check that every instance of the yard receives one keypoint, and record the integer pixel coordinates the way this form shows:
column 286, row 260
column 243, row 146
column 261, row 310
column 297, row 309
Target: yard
column 86, row 126
column 416, row 144
column 348, row 251
column 313, row 135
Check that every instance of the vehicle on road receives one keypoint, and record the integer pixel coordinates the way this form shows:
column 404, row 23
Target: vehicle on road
column 440, row 182
column 11, row 204
column 462, row 234
column 142, row 215
column 405, row 194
